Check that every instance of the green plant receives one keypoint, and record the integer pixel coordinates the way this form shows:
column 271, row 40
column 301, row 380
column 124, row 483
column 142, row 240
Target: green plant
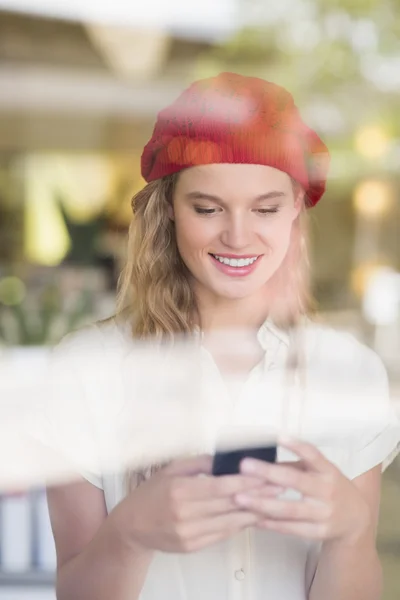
column 43, row 320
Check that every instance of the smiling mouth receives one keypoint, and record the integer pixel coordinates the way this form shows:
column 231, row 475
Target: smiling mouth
column 235, row 262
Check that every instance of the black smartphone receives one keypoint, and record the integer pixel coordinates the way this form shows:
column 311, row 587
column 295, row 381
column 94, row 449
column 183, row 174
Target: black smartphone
column 228, row 462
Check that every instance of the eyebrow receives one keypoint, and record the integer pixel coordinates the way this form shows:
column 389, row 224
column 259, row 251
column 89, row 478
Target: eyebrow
column 202, row 196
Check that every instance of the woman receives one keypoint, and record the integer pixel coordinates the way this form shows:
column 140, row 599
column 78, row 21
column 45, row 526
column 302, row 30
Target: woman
column 218, row 241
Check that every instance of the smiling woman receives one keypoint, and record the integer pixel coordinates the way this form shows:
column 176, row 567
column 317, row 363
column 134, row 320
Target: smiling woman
column 218, row 242
column 244, row 212
column 229, row 211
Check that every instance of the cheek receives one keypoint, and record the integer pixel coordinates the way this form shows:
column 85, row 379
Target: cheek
column 277, row 236
column 192, row 236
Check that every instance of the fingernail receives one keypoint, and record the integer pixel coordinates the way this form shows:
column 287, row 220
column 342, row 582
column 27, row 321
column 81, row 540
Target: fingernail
column 248, row 465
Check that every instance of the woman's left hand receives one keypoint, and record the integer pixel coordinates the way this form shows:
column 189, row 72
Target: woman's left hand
column 331, row 506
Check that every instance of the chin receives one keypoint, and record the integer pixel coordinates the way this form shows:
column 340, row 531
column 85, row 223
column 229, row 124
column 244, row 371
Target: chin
column 236, row 292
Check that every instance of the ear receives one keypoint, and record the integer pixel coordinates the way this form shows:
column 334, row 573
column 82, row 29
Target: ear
column 299, row 201
column 170, row 211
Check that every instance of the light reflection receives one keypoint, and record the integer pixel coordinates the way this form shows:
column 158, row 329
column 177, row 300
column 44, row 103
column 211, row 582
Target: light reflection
column 373, row 199
column 372, row 141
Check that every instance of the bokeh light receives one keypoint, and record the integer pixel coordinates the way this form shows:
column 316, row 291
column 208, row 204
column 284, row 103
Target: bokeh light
column 362, row 274
column 372, row 141
column 372, row 199
column 381, row 302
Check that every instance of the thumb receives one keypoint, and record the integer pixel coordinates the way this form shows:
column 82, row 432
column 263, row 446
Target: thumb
column 196, row 465
column 301, row 465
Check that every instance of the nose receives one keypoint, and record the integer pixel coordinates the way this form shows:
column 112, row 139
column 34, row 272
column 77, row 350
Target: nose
column 237, row 232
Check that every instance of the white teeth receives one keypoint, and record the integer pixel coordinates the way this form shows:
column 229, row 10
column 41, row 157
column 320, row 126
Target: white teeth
column 236, row 262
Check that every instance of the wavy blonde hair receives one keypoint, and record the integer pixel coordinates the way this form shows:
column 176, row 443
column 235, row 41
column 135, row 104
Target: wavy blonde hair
column 155, row 288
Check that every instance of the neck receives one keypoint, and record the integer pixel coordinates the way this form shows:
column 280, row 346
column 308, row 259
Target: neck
column 222, row 313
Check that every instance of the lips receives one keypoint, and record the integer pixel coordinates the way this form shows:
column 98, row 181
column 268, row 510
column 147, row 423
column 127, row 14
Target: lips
column 235, row 266
column 237, row 256
column 235, row 262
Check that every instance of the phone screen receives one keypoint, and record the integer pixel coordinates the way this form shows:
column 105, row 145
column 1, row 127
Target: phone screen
column 227, row 463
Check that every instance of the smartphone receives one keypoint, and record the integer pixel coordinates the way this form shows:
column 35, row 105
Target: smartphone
column 228, row 462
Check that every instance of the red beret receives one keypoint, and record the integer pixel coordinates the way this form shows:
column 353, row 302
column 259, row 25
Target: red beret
column 231, row 118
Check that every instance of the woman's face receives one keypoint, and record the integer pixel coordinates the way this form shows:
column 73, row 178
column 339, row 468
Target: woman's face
column 233, row 224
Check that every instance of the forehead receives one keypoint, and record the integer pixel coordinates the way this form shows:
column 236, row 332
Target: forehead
column 228, row 179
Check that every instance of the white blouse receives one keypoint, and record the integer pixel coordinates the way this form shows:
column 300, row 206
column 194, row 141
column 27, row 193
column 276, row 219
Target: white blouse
column 347, row 405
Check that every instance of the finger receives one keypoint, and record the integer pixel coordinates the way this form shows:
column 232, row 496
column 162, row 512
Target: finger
column 196, row 465
column 272, row 508
column 305, row 530
column 295, row 464
column 205, row 541
column 266, row 491
column 224, row 524
column 313, row 459
column 219, row 506
column 308, row 484
column 205, row 488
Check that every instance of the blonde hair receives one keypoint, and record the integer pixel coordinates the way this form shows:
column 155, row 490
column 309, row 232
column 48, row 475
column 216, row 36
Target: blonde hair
column 154, row 286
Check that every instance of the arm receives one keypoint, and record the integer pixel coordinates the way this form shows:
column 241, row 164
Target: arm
column 351, row 570
column 93, row 560
column 339, row 512
column 101, row 557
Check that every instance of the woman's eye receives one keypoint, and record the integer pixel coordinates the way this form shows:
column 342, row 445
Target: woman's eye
column 268, row 211
column 205, row 211
column 211, row 211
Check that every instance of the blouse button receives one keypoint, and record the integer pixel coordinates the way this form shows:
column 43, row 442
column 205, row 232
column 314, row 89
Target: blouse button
column 239, row 575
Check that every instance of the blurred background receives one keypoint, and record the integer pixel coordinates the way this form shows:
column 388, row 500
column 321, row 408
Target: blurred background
column 80, row 86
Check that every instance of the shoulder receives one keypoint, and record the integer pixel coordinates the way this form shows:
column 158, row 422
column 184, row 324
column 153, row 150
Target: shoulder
column 113, row 333
column 87, row 389
column 340, row 351
column 349, row 380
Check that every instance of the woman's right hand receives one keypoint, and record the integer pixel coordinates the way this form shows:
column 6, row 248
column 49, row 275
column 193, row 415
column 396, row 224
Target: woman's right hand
column 183, row 508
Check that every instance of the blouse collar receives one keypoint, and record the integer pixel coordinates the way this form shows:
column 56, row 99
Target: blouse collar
column 267, row 334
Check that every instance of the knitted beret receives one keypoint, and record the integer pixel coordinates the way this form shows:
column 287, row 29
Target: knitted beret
column 232, row 118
